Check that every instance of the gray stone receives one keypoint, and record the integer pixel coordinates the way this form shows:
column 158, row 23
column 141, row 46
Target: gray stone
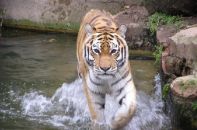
column 137, row 34
column 179, row 55
column 185, row 44
column 55, row 10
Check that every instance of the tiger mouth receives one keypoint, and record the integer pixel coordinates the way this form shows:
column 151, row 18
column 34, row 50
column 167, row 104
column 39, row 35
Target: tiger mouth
column 106, row 74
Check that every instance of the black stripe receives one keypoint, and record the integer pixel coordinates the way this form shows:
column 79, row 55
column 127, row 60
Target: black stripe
column 124, row 49
column 98, row 77
column 120, row 101
column 122, row 54
column 111, row 35
column 121, row 61
column 99, row 35
column 120, row 90
column 99, row 28
column 88, row 52
column 100, row 38
column 110, row 38
column 128, row 81
column 91, row 80
column 119, row 41
column 91, row 41
column 123, row 86
column 89, row 62
column 85, row 52
column 97, row 93
column 102, row 106
column 124, row 76
column 94, row 19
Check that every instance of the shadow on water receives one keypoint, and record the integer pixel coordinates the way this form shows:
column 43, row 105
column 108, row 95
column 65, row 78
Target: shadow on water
column 39, row 88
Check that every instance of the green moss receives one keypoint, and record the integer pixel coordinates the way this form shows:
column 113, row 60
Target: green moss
column 191, row 82
column 187, row 84
column 54, row 27
column 140, row 53
column 157, row 54
column 157, row 19
column 165, row 91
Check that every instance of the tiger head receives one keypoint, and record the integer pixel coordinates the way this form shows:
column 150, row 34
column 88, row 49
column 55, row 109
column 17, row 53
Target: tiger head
column 106, row 51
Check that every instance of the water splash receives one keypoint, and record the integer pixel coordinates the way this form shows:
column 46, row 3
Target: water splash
column 67, row 109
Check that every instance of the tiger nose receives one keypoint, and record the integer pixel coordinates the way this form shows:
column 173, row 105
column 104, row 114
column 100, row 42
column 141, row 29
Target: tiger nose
column 105, row 68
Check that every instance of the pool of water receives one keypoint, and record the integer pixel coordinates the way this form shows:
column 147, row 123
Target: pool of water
column 39, row 87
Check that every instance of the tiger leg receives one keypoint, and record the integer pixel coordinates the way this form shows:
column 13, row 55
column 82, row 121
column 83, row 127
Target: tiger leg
column 98, row 101
column 127, row 101
column 97, row 96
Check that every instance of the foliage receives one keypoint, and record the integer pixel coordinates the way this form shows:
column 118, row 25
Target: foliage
column 194, row 106
column 2, row 15
column 61, row 27
column 157, row 54
column 165, row 91
column 158, row 19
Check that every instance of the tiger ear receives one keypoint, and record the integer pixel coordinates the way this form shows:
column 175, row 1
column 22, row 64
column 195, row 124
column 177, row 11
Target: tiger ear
column 122, row 30
column 88, row 29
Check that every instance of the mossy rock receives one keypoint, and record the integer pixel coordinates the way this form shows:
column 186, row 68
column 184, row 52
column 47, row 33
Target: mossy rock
column 48, row 27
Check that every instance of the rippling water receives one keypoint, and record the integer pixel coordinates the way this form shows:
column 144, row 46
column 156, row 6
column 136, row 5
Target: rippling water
column 39, row 88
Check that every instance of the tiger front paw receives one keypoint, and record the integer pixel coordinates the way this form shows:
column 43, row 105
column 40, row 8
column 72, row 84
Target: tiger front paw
column 118, row 122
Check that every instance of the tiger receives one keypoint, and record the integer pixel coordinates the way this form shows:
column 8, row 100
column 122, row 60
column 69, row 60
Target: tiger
column 103, row 65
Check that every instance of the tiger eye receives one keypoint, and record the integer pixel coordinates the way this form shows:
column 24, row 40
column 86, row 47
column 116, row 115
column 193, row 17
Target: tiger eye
column 113, row 51
column 96, row 51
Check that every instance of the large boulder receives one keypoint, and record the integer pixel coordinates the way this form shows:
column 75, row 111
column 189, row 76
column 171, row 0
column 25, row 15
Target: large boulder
column 185, row 87
column 137, row 35
column 179, row 56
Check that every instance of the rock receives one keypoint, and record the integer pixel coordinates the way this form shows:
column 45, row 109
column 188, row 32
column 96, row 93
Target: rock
column 184, row 7
column 179, row 62
column 179, row 56
column 185, row 87
column 184, row 95
column 55, row 11
column 52, row 40
column 185, row 44
column 137, row 34
column 163, row 34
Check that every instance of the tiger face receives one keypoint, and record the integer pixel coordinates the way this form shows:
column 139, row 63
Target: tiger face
column 105, row 52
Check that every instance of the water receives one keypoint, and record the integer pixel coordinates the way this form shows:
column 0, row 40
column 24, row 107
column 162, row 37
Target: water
column 39, row 88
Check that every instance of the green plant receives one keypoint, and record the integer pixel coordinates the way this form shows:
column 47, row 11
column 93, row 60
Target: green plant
column 2, row 15
column 194, row 106
column 158, row 19
column 165, row 90
column 157, row 54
